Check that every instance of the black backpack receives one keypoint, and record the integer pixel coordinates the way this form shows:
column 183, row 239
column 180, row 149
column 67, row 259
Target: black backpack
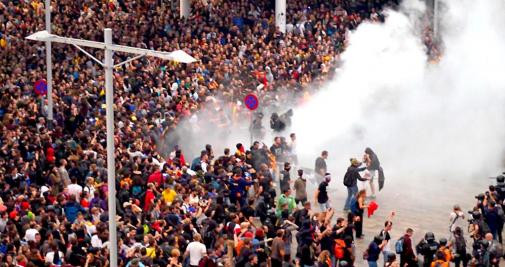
column 347, row 179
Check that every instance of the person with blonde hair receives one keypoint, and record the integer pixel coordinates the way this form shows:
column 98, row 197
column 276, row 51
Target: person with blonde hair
column 195, row 250
column 324, row 259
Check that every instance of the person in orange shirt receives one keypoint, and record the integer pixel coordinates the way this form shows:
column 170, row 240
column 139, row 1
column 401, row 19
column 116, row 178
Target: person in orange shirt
column 440, row 260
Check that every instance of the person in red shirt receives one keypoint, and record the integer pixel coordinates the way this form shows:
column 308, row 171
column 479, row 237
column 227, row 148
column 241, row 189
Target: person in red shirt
column 149, row 197
column 408, row 257
column 50, row 155
column 156, row 178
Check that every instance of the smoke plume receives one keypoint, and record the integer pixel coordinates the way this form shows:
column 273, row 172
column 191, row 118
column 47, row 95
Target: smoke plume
column 425, row 121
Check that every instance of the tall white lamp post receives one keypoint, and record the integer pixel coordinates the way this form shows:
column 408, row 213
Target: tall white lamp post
column 109, row 47
column 49, row 66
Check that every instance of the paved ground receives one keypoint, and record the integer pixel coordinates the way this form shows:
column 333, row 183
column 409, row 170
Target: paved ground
column 423, row 206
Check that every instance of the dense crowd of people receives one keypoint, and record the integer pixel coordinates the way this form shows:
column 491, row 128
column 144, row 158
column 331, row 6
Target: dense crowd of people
column 172, row 211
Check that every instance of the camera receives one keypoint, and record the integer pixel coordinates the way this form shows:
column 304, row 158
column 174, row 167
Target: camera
column 481, row 197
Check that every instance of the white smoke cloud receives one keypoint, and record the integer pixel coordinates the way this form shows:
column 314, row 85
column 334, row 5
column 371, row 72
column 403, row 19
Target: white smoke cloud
column 423, row 120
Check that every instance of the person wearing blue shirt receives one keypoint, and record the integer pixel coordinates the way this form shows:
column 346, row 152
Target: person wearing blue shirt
column 237, row 185
column 374, row 250
column 72, row 208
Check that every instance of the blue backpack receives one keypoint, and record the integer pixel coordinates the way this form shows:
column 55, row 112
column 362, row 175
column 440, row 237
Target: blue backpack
column 399, row 246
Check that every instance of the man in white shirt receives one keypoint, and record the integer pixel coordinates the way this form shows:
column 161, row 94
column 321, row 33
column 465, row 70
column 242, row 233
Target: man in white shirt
column 195, row 250
column 75, row 189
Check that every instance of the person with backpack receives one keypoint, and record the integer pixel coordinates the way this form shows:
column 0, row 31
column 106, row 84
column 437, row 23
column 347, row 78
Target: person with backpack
column 428, row 247
column 404, row 247
column 351, row 178
column 358, row 207
column 456, row 219
column 458, row 244
column 373, row 251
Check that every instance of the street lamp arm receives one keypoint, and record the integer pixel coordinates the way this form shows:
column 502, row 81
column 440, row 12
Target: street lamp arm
column 89, row 55
column 178, row 56
column 128, row 61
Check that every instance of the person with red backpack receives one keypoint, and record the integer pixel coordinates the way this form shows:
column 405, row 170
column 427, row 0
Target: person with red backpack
column 342, row 249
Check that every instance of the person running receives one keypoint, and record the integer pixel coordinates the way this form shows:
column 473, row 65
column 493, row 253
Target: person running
column 351, row 178
column 320, row 169
column 372, row 165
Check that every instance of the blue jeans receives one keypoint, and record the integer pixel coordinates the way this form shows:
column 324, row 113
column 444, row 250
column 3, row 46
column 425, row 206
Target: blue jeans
column 372, row 264
column 324, row 206
column 352, row 190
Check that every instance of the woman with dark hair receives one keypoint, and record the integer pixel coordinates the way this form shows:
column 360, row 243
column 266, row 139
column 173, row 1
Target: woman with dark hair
column 373, row 168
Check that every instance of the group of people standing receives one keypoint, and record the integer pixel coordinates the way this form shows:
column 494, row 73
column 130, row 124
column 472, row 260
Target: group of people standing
column 370, row 167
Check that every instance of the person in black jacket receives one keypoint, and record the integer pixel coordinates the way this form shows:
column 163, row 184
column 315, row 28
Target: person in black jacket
column 428, row 247
column 351, row 178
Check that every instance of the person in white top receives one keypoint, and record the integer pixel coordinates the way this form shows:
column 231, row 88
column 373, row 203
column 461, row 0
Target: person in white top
column 195, row 250
column 457, row 218
column 53, row 258
column 31, row 233
column 75, row 189
column 90, row 187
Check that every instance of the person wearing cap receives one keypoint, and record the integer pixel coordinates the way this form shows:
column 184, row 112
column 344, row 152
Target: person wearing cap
column 351, row 178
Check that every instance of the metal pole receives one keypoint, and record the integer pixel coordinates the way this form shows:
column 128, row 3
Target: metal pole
column 49, row 67
column 251, row 129
column 185, row 8
column 111, row 166
column 280, row 15
column 435, row 19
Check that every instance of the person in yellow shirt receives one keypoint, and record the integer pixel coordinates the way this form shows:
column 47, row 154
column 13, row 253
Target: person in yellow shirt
column 151, row 249
column 169, row 194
